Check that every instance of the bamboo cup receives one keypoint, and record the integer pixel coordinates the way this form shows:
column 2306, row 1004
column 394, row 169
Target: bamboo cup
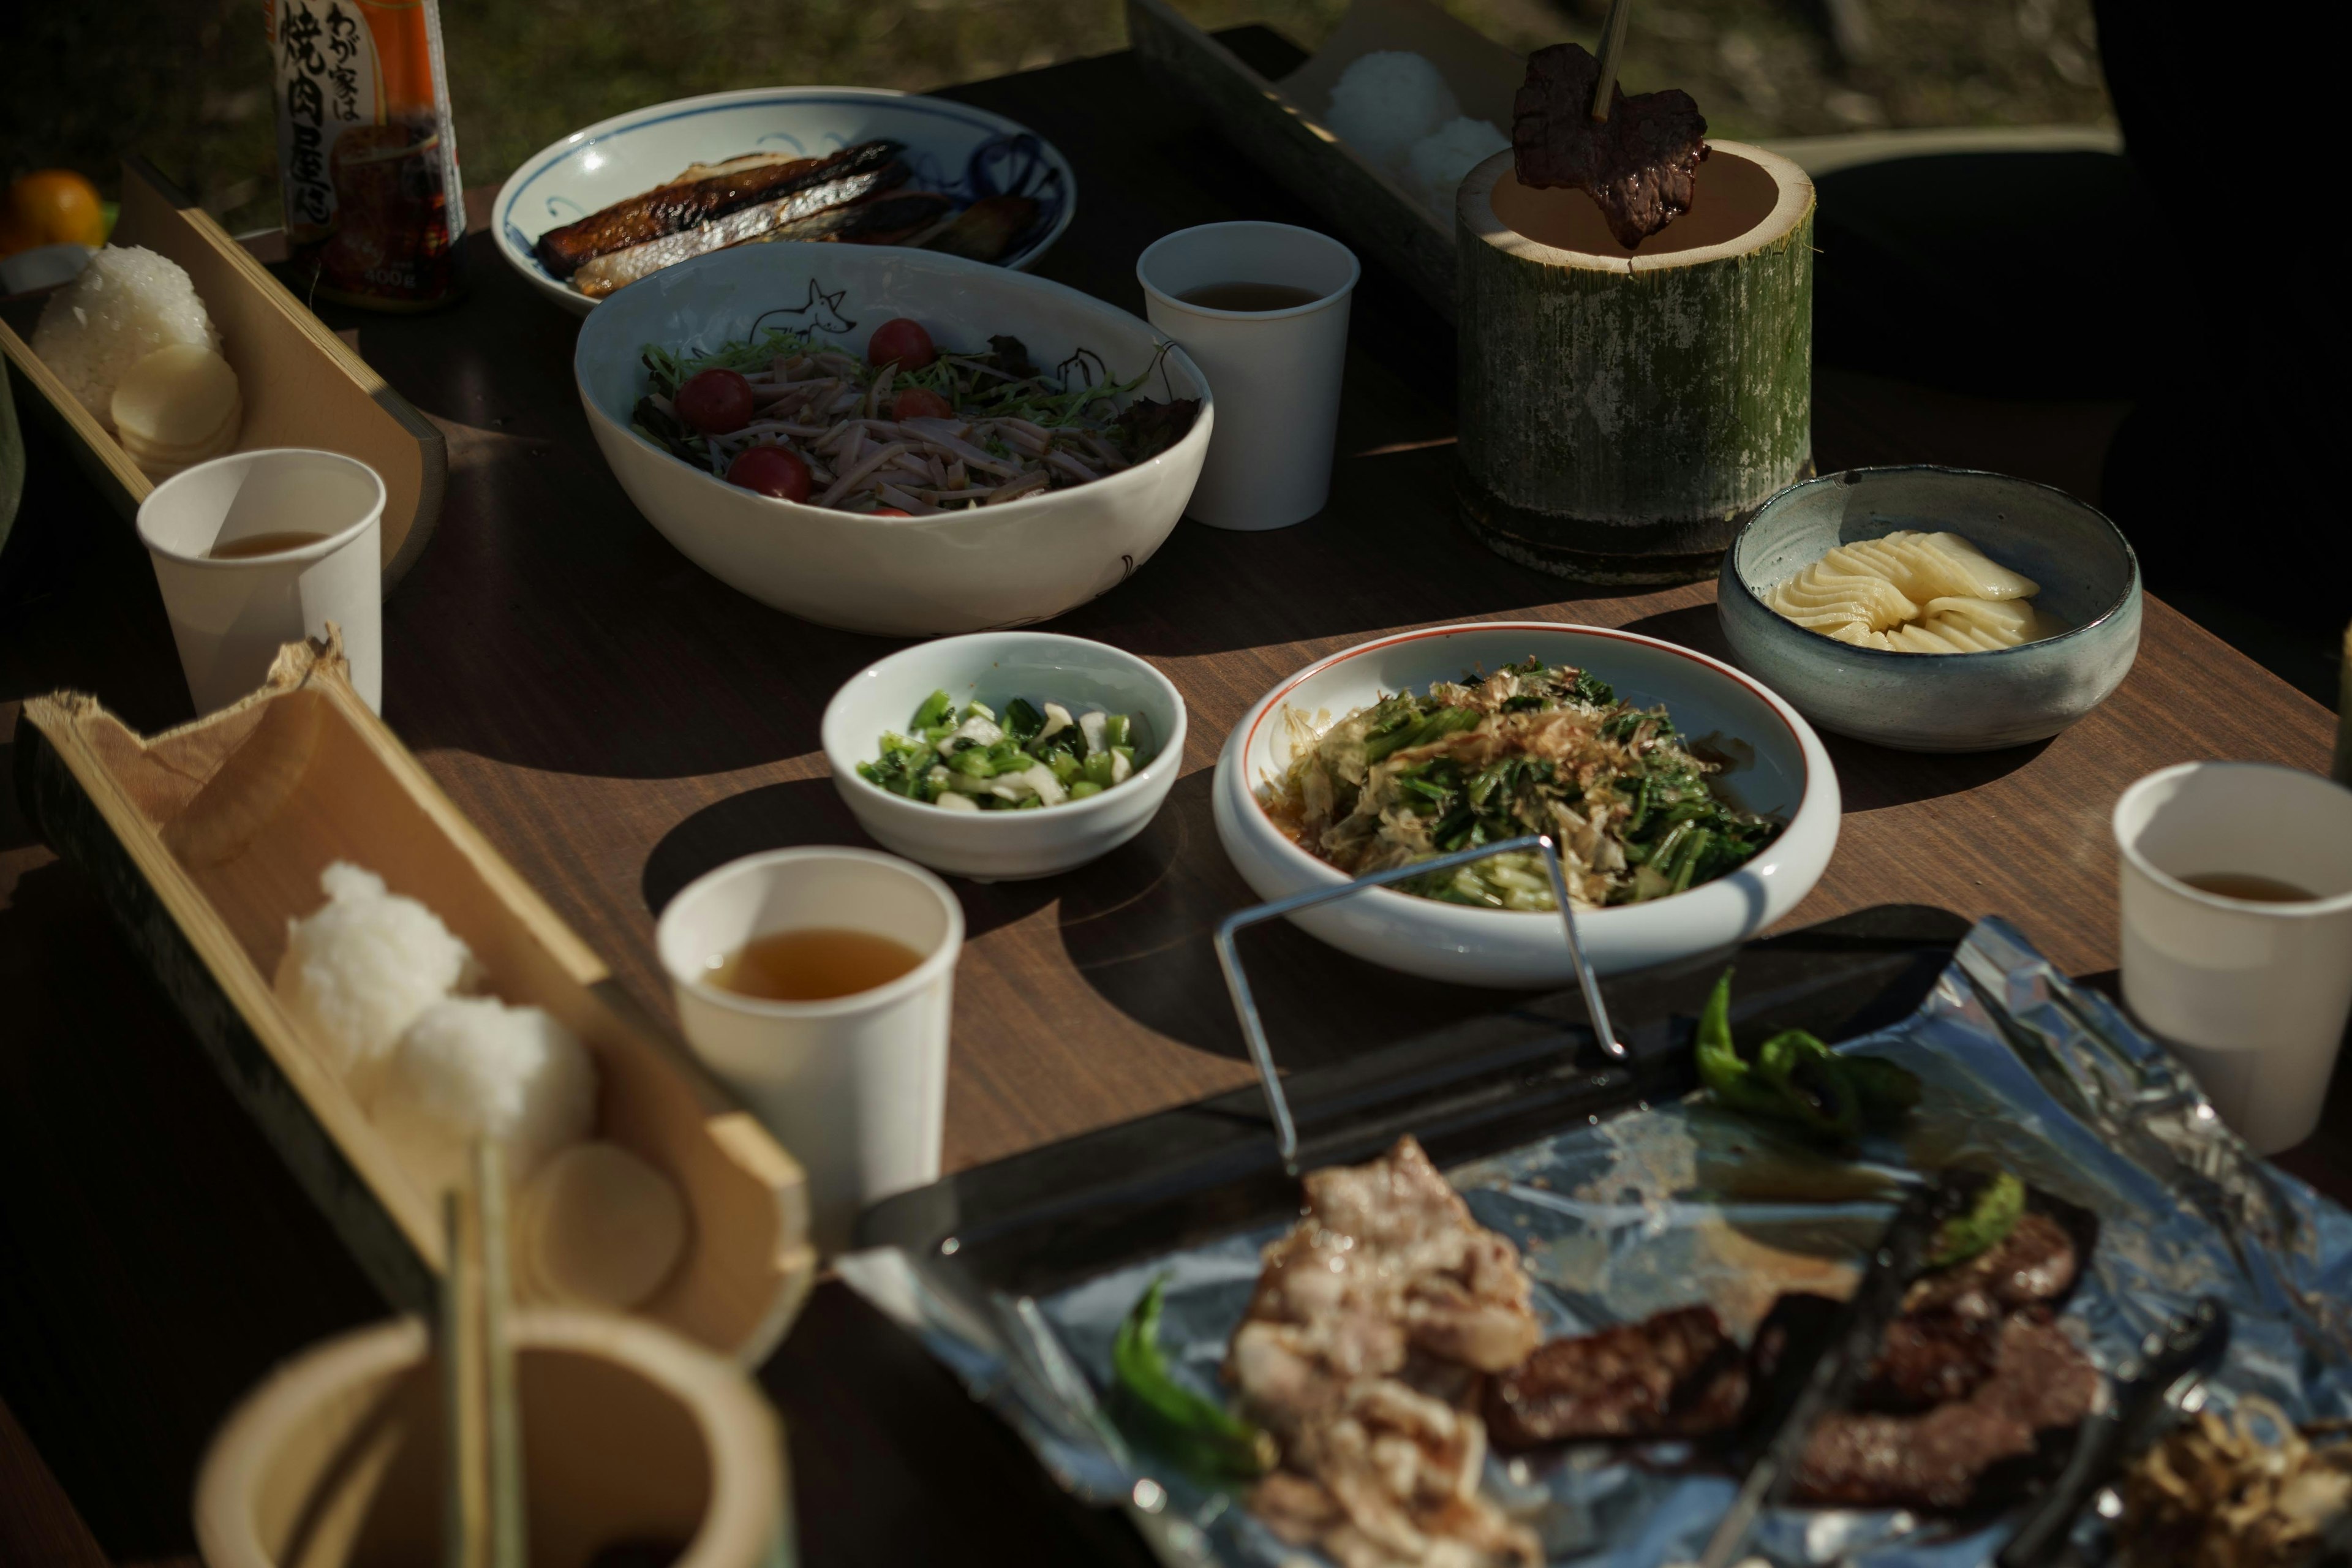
column 631, row 1437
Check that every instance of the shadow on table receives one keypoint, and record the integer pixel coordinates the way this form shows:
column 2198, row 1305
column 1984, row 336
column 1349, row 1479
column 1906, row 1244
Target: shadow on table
column 1137, row 926
column 1386, row 551
column 810, row 810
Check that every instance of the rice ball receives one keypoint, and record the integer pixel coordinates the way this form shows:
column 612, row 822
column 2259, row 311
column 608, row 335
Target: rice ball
column 1434, row 169
column 127, row 303
column 1387, row 101
column 357, row 971
column 472, row 1066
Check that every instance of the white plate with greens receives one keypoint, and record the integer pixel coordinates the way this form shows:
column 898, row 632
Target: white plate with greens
column 1709, row 874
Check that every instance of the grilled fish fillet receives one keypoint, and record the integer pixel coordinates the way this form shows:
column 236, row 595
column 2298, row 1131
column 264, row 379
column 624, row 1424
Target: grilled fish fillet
column 600, row 276
column 684, row 205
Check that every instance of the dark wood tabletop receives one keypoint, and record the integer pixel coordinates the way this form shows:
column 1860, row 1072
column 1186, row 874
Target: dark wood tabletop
column 617, row 723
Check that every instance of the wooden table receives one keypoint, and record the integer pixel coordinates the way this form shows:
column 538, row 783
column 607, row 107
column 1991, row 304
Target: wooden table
column 617, row 723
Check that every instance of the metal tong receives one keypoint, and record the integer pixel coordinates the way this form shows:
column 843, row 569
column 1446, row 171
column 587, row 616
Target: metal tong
column 1803, row 1389
column 2161, row 1386
column 1286, row 1131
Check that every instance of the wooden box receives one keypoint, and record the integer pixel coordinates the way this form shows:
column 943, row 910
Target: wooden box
column 208, row 839
column 1280, row 124
column 301, row 385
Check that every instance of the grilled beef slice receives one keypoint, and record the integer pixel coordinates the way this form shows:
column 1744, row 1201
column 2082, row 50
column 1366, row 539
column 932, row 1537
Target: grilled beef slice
column 2035, row 1263
column 1935, row 1460
column 1676, row 1374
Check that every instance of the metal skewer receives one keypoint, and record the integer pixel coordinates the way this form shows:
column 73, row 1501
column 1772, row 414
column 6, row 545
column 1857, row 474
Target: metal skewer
column 1286, row 1131
column 1613, row 45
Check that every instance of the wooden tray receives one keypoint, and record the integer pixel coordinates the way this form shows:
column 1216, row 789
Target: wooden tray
column 1280, row 125
column 208, row 839
column 301, row 385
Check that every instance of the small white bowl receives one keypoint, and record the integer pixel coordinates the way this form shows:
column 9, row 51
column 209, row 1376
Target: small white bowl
column 1790, row 778
column 894, row 577
column 994, row 667
column 954, row 149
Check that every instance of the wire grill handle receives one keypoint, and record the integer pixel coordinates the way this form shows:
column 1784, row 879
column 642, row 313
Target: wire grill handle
column 1286, row 1131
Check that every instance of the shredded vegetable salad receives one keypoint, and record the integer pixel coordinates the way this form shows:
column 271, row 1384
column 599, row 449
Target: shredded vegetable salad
column 911, row 430
column 1526, row 750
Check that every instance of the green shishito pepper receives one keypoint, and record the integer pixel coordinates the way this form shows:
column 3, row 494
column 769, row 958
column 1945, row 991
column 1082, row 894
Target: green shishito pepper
column 1794, row 1079
column 1196, row 1432
column 1992, row 1214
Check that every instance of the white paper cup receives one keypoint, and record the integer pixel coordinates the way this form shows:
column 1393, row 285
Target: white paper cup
column 854, row 1086
column 230, row 617
column 1275, row 374
column 2253, row 995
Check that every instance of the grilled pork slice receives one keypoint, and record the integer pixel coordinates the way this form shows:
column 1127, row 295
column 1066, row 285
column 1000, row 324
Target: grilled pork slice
column 2040, row 1383
column 600, row 277
column 1676, row 1374
column 1370, row 1317
column 689, row 203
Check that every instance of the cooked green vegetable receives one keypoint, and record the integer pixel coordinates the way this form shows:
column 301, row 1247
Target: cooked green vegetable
column 1992, row 1214
column 1814, row 1087
column 1027, row 758
column 1193, row 1430
column 1528, row 749
column 1793, row 1078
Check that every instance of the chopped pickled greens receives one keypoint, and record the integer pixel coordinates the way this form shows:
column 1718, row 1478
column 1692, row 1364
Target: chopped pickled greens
column 1030, row 756
column 1528, row 749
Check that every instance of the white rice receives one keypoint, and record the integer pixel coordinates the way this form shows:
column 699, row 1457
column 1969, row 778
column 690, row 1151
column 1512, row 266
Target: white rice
column 359, row 970
column 1433, row 169
column 1387, row 101
column 127, row 303
column 472, row 1066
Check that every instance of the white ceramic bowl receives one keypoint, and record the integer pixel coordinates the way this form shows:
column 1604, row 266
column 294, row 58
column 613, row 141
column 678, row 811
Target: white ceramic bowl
column 954, row 149
column 1790, row 777
column 995, row 667
column 905, row 576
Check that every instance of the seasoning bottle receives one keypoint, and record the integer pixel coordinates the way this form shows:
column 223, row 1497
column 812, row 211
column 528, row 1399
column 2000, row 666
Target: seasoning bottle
column 365, row 154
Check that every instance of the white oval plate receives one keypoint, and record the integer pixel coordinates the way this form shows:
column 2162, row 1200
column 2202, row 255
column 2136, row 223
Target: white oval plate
column 954, row 149
column 1790, row 777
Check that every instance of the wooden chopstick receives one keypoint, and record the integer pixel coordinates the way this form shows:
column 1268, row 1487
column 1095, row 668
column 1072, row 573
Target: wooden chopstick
column 482, row 1521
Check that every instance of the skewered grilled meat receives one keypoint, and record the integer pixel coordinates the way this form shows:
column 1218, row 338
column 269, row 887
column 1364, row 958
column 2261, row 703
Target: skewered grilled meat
column 1673, row 1375
column 1640, row 165
column 702, row 194
column 2039, row 1382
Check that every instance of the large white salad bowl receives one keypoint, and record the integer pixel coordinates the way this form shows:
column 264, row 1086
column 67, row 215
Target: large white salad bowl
column 994, row 566
column 1790, row 777
column 953, row 148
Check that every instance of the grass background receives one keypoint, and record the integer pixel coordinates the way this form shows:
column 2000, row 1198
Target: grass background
column 186, row 82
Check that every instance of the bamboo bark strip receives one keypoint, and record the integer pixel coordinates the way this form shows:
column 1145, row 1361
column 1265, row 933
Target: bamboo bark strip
column 1621, row 416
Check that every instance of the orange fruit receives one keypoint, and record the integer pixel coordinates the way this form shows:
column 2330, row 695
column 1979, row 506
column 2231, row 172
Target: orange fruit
column 53, row 206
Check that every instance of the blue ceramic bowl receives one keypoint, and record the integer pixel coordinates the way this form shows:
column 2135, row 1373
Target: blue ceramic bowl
column 955, row 148
column 1926, row 702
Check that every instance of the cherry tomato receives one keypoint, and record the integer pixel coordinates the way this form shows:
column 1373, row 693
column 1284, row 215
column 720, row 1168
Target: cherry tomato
column 715, row 402
column 921, row 403
column 889, row 512
column 903, row 340
column 772, row 471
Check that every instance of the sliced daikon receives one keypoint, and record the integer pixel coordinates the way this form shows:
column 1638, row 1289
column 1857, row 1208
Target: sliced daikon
column 176, row 396
column 601, row 1227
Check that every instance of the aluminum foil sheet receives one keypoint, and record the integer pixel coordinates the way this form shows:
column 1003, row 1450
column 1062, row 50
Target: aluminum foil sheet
column 1662, row 1208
